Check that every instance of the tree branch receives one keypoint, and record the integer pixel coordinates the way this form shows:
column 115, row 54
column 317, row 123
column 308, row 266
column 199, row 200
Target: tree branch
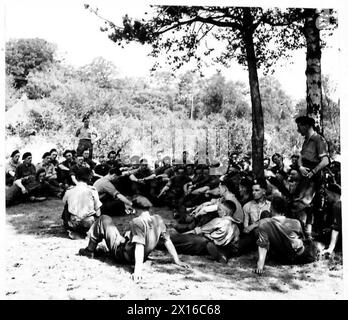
column 208, row 20
column 217, row 23
column 176, row 25
column 95, row 11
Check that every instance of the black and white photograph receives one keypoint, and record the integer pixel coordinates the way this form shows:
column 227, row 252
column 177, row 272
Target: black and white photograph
column 184, row 150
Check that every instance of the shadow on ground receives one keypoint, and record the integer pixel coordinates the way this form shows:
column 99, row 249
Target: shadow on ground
column 42, row 220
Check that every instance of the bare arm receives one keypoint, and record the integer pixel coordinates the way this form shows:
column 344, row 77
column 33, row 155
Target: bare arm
column 322, row 164
column 11, row 173
column 73, row 178
column 333, row 242
column 152, row 176
column 133, row 178
column 123, row 199
column 19, row 184
column 200, row 190
column 139, row 261
column 98, row 213
column 172, row 251
column 164, row 190
column 251, row 227
column 63, row 167
column 261, row 260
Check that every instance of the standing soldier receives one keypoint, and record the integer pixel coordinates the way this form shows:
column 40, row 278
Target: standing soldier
column 85, row 135
column 313, row 159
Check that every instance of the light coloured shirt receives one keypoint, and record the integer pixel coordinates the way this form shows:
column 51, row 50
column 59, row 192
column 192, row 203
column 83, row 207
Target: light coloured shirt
column 252, row 211
column 11, row 166
column 83, row 200
column 88, row 133
column 221, row 231
column 49, row 169
column 238, row 215
column 104, row 186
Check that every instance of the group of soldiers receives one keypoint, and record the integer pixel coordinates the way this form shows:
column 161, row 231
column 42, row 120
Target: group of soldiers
column 294, row 213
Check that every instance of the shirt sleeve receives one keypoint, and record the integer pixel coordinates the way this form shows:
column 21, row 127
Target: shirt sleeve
column 262, row 240
column 164, row 232
column 246, row 215
column 8, row 168
column 110, row 189
column 138, row 232
column 97, row 202
column 209, row 227
column 322, row 147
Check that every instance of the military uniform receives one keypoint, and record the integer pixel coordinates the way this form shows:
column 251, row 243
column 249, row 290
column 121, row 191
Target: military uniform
column 82, row 205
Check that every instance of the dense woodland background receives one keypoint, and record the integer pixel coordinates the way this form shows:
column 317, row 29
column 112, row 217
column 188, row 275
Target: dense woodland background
column 173, row 112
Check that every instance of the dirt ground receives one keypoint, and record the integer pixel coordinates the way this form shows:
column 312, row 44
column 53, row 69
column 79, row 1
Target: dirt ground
column 42, row 263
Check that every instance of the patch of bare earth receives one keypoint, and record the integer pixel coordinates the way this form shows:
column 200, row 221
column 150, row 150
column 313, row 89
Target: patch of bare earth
column 42, row 263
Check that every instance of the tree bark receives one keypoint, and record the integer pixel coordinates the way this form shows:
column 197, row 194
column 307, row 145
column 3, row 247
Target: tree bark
column 257, row 138
column 313, row 69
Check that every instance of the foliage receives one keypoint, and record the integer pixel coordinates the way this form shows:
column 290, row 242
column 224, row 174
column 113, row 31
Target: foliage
column 276, row 104
column 12, row 94
column 25, row 55
column 142, row 116
column 99, row 71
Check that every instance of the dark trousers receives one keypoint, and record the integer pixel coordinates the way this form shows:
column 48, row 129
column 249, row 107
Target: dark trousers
column 192, row 200
column 187, row 223
column 174, row 199
column 9, row 179
column 83, row 145
column 124, row 185
column 63, row 176
column 189, row 243
column 229, row 250
column 15, row 196
column 113, row 207
column 247, row 242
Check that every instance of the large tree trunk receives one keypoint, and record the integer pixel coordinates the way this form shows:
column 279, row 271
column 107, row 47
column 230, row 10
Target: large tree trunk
column 257, row 138
column 313, row 70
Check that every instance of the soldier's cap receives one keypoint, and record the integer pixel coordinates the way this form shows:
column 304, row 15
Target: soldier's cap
column 14, row 153
column 46, row 154
column 26, row 155
column 143, row 161
column 166, row 158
